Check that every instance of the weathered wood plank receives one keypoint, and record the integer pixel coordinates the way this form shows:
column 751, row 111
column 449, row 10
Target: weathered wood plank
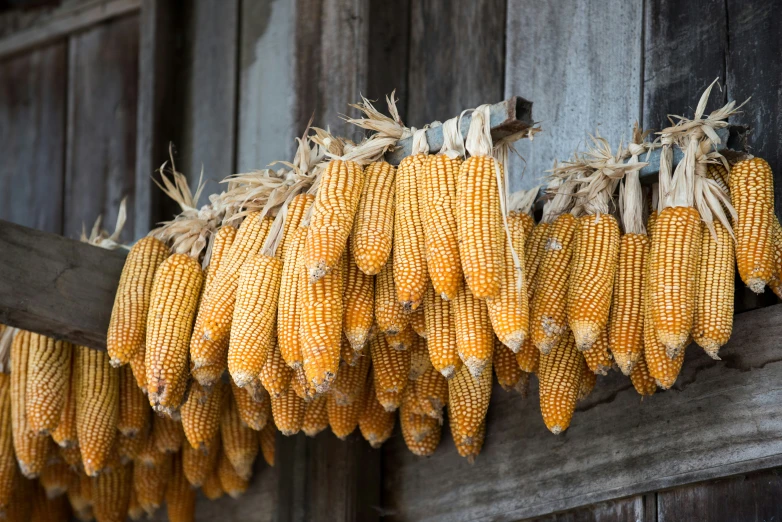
column 752, row 497
column 388, row 53
column 100, row 160
column 32, row 137
column 621, row 510
column 721, row 419
column 457, row 57
column 57, row 286
column 581, row 63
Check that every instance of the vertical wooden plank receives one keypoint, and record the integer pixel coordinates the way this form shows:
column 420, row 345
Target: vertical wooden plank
column 389, row 36
column 457, row 57
column 208, row 89
column 101, row 139
column 621, row 510
column 32, row 130
column 580, row 63
column 752, row 497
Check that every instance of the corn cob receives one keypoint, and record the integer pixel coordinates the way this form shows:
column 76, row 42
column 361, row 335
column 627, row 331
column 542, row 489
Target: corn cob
column 49, row 372
column 376, row 424
column 297, row 209
column 129, row 448
column 438, row 200
column 65, row 434
column 560, row 381
column 150, row 483
column 180, row 497
column 149, row 455
column 128, row 325
column 509, row 310
column 642, row 380
column 275, row 374
column 135, row 511
column 201, row 414
column 71, row 455
column 111, row 494
column 528, row 356
column 316, row 417
column 302, row 388
column 167, row 434
column 347, row 354
column 288, row 412
column 21, row 509
column 521, row 225
column 56, row 477
column 254, row 412
column 420, row 433
column 359, row 304
column 81, row 506
column 626, row 323
column 343, row 418
column 31, row 449
column 240, row 443
column 474, row 336
column 418, row 320
column 230, row 481
column 411, row 401
column 134, row 412
column 287, row 304
column 390, row 367
column 212, row 488
column 597, row 357
column 389, row 314
column 8, row 470
column 373, row 228
column 268, row 441
column 175, row 296
column 505, row 367
column 776, row 281
column 198, row 464
column 432, row 392
column 321, row 326
column 49, row 509
column 410, row 272
column 441, row 335
column 138, row 366
column 402, row 341
column 752, row 195
column 209, row 342
column 349, row 384
column 588, row 381
column 713, row 321
column 534, row 250
column 254, row 319
column 470, row 449
column 468, row 402
column 419, row 359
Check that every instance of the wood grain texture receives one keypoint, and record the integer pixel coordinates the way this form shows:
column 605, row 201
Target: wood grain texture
column 100, row 166
column 389, row 40
column 57, row 286
column 32, row 137
column 753, row 497
column 457, row 57
column 621, row 510
column 720, row 419
column 580, row 62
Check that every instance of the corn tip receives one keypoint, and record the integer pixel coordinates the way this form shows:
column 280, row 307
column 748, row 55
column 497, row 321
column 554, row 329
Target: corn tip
column 757, row 285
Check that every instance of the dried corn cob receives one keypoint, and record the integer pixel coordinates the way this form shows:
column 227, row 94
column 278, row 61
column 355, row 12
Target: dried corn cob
column 468, row 402
column 129, row 448
column 343, row 418
column 301, row 387
column 359, row 304
column 389, row 314
column 172, row 309
column 441, row 335
column 149, row 455
column 135, row 511
column 212, row 488
column 8, row 470
column 432, row 392
column 373, row 227
column 49, row 372
column 138, row 366
column 347, row 354
column 201, row 414
column 288, row 412
column 128, row 325
column 421, row 433
column 402, row 341
column 588, row 381
column 470, row 449
column 81, row 506
column 223, row 239
column 332, row 217
column 776, row 281
column 288, row 316
column 275, row 374
column 349, row 385
column 419, row 359
column 65, row 434
column 150, row 483
column 167, row 434
column 71, row 455
column 505, row 367
column 415, row 424
column 376, row 424
column 180, row 497
column 597, row 357
column 390, row 400
column 474, row 336
column 231, row 482
column 752, row 194
column 240, row 444
column 56, row 477
column 296, row 210
column 316, row 417
column 560, row 381
column 267, row 438
column 534, row 250
column 642, row 380
column 134, row 412
column 509, row 310
column 111, row 494
column 528, row 356
column 390, row 367
column 418, row 320
column 254, row 412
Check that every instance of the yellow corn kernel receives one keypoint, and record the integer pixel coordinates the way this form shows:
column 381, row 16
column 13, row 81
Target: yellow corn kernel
column 528, row 356
column 389, row 314
column 167, row 434
column 275, row 374
column 597, row 357
column 474, row 335
column 441, row 335
column 402, row 341
column 221, row 245
column 172, row 309
column 505, row 367
column 180, row 497
column 673, row 264
column 138, row 366
column 373, row 228
column 479, row 225
column 588, row 381
column 420, row 433
column 81, row 506
column 713, row 321
column 468, row 402
column 65, row 434
column 288, row 311
column 128, row 325
column 776, row 280
column 431, row 388
column 253, row 410
column 332, row 217
column 297, row 209
column 8, row 470
column 150, row 483
column 301, row 387
column 129, row 448
column 411, row 401
column 410, row 273
column 134, row 411
column 343, row 418
column 376, row 424
column 347, row 354
column 534, row 250
column 321, row 326
column 560, row 375
column 470, row 449
column 626, row 323
column 390, row 367
column 268, row 441
column 438, row 210
column 752, row 195
column 419, row 359
column 548, row 318
column 71, row 455
column 316, row 417
column 255, row 316
column 201, row 414
column 111, row 494
column 595, row 254
column 231, row 482
column 509, row 309
column 521, row 225
column 662, row 368
column 48, row 376
column 211, row 488
column 199, row 464
column 350, row 381
column 148, row 454
column 642, row 380
column 288, row 412
column 390, row 400
column 240, row 444
column 209, row 342
column 418, row 320
column 359, row 305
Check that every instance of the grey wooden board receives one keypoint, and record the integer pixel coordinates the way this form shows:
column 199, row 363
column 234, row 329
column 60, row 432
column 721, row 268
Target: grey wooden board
column 207, row 86
column 32, row 137
column 620, row 510
column 100, row 165
column 580, row 62
column 57, row 286
column 456, row 59
column 721, row 418
column 388, row 53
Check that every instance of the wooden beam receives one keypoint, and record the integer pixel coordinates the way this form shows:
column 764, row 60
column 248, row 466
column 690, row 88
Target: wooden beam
column 722, row 418
column 65, row 22
column 57, row 286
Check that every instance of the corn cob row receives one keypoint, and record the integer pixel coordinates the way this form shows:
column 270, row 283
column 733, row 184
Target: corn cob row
column 359, row 298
